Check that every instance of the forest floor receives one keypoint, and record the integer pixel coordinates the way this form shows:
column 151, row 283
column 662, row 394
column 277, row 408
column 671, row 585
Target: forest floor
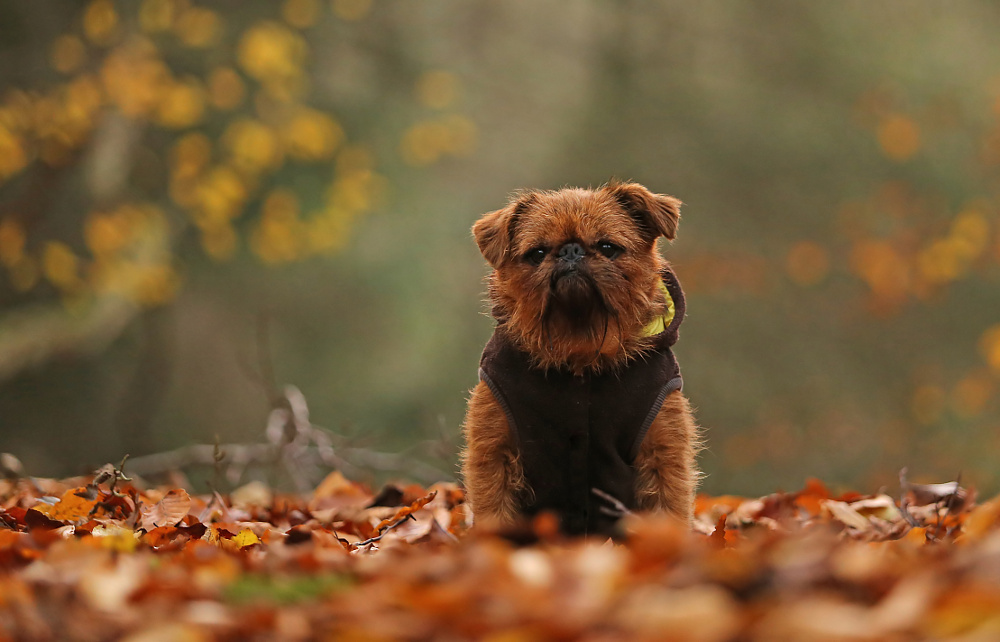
column 102, row 558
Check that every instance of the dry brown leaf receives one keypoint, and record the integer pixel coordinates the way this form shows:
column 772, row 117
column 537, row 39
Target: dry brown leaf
column 792, row 566
column 169, row 511
column 846, row 515
column 880, row 506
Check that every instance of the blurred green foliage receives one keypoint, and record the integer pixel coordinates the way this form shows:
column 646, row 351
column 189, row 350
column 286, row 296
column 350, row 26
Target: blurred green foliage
column 174, row 171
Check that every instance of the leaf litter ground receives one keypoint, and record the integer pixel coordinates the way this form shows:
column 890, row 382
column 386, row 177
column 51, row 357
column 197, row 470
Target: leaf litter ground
column 102, row 558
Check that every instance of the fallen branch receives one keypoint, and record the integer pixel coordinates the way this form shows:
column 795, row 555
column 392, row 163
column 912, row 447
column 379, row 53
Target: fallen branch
column 242, row 456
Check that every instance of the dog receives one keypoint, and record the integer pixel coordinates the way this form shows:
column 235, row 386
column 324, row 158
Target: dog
column 579, row 395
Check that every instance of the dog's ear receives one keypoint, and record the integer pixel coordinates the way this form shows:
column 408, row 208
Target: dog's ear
column 657, row 214
column 494, row 232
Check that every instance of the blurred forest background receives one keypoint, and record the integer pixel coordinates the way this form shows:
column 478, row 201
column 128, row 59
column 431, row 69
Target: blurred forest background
column 186, row 184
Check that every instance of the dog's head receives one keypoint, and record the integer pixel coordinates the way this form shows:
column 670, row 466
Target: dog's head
column 576, row 274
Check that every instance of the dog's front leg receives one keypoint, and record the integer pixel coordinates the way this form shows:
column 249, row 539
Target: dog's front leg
column 490, row 465
column 666, row 474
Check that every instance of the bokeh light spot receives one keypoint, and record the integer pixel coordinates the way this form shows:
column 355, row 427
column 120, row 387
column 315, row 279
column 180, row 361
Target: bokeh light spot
column 198, row 27
column 182, row 104
column 12, row 241
column 312, row 135
column 899, row 137
column 971, row 394
column 61, row 266
column 226, row 88
column 989, row 345
column 157, row 15
column 68, row 54
column 100, row 22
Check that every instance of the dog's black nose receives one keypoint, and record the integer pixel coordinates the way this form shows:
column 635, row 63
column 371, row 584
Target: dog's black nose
column 571, row 253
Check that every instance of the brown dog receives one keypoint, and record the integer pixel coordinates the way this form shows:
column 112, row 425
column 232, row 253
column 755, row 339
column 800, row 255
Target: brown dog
column 579, row 389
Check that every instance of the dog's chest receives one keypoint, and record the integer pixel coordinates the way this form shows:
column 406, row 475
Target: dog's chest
column 576, row 433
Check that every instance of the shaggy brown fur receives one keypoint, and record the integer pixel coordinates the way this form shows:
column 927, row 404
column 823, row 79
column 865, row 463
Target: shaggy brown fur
column 587, row 323
column 667, row 476
column 490, row 462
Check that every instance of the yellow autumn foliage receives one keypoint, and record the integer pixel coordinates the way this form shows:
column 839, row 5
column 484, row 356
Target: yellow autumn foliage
column 61, row 266
column 12, row 241
column 116, row 58
column 67, row 54
column 156, row 16
column 134, row 78
column 271, row 52
column 279, row 235
column 312, row 135
column 197, row 27
column 220, row 197
column 181, row 105
column 100, row 22
column 12, row 155
column 226, row 88
column 252, row 147
column 429, row 141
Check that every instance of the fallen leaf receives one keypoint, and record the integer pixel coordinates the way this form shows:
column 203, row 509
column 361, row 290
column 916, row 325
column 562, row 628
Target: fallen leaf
column 256, row 493
column 246, row 537
column 881, row 506
column 73, row 507
column 846, row 515
column 406, row 511
column 168, row 511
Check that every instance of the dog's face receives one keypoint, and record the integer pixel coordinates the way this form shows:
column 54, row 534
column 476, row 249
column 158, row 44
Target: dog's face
column 576, row 272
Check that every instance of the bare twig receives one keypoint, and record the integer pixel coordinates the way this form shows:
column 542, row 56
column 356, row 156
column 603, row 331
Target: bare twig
column 904, row 500
column 945, row 502
column 301, row 450
column 112, row 474
column 372, row 540
column 617, row 509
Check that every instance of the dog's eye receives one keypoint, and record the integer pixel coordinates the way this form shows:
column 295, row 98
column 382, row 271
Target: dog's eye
column 536, row 255
column 609, row 249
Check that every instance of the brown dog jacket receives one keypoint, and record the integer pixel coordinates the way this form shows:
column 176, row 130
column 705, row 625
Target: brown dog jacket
column 575, row 433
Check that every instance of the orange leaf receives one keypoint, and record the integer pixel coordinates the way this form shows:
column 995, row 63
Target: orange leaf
column 406, row 511
column 981, row 520
column 718, row 537
column 161, row 536
column 705, row 503
column 811, row 497
column 73, row 506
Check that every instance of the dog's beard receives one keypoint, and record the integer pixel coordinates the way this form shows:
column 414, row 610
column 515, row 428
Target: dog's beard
column 576, row 306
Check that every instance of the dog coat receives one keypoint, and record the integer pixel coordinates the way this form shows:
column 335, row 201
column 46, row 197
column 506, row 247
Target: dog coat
column 575, row 433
